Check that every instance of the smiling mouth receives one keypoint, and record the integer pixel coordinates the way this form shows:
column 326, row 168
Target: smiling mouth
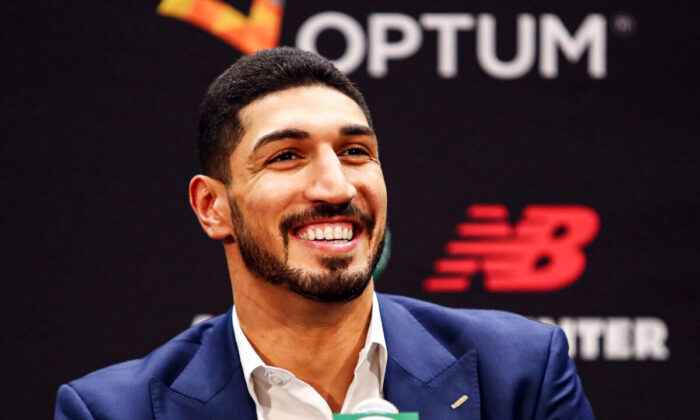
column 328, row 232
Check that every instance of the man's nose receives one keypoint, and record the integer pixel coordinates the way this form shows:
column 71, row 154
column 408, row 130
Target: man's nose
column 328, row 181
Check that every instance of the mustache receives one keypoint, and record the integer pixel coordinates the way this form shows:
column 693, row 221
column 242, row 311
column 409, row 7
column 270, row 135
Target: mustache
column 325, row 210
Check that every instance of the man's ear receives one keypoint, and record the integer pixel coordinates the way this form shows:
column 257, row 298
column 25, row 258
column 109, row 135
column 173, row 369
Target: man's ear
column 209, row 201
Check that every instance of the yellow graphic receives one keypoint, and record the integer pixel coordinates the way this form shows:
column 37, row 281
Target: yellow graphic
column 258, row 31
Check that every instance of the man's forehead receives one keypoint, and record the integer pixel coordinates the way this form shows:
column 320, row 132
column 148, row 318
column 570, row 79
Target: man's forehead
column 300, row 106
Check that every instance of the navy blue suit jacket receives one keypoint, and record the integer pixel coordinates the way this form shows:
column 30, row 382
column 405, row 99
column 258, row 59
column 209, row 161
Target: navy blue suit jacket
column 508, row 366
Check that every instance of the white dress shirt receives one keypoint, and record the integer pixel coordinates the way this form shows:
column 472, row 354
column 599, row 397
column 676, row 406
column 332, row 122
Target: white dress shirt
column 279, row 395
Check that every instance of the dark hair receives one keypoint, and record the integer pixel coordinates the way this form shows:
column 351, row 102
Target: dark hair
column 250, row 78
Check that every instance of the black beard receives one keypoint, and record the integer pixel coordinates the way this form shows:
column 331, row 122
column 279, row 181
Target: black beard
column 338, row 284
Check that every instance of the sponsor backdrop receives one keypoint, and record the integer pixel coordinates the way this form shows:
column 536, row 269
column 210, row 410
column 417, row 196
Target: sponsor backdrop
column 539, row 159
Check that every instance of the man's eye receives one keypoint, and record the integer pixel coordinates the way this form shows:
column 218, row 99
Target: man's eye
column 284, row 156
column 356, row 151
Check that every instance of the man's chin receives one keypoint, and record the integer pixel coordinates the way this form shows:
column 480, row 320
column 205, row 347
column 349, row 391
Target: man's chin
column 331, row 283
column 340, row 292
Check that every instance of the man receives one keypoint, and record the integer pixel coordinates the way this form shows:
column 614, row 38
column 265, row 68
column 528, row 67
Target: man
column 293, row 188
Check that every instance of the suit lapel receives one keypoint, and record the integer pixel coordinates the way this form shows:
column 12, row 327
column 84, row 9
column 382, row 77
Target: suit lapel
column 211, row 386
column 421, row 375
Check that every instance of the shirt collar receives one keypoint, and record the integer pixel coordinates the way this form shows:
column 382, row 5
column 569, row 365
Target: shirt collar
column 250, row 360
column 375, row 340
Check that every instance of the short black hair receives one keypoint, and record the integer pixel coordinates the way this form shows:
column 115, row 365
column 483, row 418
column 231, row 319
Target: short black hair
column 248, row 79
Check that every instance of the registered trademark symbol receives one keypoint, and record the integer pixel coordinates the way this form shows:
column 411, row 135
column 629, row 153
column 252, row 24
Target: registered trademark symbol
column 624, row 24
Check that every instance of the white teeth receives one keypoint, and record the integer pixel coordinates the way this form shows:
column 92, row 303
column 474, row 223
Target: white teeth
column 336, row 233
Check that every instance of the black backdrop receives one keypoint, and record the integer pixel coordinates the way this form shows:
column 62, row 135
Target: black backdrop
column 103, row 260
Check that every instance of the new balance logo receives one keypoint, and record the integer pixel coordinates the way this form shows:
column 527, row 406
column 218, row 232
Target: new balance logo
column 257, row 31
column 541, row 253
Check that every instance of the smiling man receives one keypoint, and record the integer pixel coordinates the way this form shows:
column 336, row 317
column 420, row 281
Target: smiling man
column 304, row 195
column 292, row 186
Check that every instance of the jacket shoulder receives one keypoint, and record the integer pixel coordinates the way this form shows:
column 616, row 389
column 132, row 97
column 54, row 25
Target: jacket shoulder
column 492, row 331
column 124, row 387
column 523, row 366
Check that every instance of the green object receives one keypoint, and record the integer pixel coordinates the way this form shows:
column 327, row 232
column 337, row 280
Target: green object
column 400, row 416
column 384, row 259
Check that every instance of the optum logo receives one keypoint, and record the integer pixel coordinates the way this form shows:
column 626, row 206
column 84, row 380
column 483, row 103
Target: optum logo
column 375, row 45
column 540, row 40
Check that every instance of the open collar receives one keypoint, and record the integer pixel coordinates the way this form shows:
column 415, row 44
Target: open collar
column 250, row 360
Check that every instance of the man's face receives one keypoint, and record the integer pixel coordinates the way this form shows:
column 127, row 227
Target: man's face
column 307, row 196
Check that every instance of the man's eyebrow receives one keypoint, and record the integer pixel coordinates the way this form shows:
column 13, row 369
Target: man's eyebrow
column 356, row 130
column 283, row 134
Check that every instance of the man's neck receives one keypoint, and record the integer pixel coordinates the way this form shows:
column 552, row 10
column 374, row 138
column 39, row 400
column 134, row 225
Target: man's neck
column 318, row 342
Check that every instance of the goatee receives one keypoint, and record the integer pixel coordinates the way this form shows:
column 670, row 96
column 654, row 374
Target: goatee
column 336, row 284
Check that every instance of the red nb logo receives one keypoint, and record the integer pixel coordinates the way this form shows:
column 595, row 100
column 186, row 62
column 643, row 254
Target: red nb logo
column 543, row 252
